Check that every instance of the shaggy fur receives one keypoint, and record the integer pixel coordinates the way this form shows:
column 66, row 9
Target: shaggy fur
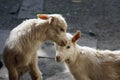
column 87, row 63
column 19, row 54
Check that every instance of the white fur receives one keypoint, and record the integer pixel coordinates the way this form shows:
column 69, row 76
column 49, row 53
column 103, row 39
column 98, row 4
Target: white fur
column 20, row 49
column 87, row 63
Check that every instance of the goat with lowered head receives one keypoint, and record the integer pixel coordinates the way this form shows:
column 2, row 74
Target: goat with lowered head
column 20, row 52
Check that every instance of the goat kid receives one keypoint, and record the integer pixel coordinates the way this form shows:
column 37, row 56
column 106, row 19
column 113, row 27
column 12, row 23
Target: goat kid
column 86, row 63
column 19, row 54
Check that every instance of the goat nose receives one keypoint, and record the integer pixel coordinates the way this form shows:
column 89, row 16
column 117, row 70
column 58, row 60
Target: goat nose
column 58, row 59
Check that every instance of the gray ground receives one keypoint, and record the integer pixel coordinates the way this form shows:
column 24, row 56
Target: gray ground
column 101, row 17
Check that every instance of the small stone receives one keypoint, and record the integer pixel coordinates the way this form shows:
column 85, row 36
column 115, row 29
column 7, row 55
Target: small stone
column 67, row 14
column 91, row 33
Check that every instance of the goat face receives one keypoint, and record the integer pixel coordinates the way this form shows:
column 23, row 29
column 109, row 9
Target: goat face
column 66, row 52
column 57, row 28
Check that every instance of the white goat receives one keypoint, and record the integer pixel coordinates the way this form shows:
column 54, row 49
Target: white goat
column 87, row 63
column 19, row 54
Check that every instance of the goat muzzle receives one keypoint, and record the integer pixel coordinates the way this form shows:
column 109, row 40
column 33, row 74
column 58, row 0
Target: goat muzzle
column 58, row 58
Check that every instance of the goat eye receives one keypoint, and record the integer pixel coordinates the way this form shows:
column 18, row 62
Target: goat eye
column 68, row 47
column 61, row 29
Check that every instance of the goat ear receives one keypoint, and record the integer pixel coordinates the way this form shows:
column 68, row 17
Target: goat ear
column 76, row 36
column 46, row 17
column 42, row 16
column 51, row 19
